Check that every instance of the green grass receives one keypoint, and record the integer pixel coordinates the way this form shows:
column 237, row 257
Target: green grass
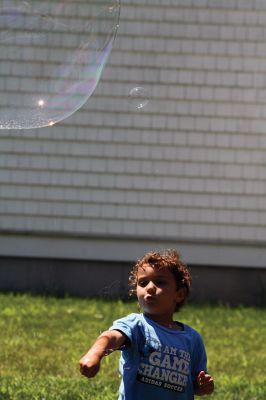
column 42, row 339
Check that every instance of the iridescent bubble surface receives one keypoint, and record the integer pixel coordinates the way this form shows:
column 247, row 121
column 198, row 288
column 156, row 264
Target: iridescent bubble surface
column 52, row 54
column 139, row 97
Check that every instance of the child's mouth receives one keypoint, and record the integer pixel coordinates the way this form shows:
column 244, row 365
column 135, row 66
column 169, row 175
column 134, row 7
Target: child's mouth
column 148, row 298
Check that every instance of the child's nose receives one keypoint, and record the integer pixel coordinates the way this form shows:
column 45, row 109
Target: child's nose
column 150, row 287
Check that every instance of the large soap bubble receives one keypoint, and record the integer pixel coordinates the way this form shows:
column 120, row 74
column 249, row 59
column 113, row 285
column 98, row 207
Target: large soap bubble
column 52, row 54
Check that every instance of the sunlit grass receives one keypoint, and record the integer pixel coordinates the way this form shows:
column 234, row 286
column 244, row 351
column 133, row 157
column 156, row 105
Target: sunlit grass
column 42, row 339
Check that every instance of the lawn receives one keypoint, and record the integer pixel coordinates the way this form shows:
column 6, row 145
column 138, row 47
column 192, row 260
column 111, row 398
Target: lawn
column 42, row 339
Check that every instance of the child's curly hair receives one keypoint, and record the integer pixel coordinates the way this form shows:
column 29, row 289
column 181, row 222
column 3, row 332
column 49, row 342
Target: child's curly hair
column 169, row 259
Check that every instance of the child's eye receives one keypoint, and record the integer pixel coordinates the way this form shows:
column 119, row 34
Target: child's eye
column 160, row 282
column 142, row 283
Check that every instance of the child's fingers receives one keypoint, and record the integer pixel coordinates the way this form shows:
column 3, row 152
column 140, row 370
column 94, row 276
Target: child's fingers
column 89, row 372
column 202, row 377
column 89, row 367
column 205, row 383
column 208, row 387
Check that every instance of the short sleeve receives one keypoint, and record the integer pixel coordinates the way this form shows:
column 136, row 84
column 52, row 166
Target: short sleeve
column 199, row 357
column 127, row 325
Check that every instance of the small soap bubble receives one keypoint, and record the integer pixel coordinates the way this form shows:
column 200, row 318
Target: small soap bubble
column 139, row 97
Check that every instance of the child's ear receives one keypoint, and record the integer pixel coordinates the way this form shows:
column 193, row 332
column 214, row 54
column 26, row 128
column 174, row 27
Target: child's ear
column 181, row 294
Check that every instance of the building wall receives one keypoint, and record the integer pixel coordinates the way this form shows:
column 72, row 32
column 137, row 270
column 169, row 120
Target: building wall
column 187, row 170
column 105, row 279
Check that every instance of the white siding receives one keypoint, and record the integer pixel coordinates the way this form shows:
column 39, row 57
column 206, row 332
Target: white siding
column 188, row 167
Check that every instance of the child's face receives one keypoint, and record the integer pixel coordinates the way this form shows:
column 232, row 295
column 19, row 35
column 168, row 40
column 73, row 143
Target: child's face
column 157, row 291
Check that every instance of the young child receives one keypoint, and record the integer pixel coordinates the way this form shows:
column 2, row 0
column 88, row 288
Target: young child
column 161, row 359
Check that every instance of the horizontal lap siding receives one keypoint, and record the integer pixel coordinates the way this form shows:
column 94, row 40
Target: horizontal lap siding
column 189, row 165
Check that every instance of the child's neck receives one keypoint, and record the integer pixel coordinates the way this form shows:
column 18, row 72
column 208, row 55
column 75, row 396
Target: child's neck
column 165, row 321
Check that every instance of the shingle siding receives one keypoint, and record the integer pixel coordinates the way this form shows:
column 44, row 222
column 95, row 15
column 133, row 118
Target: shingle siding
column 190, row 165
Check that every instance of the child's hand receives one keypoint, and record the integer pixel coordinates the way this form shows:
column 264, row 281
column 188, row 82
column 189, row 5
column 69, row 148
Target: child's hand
column 89, row 365
column 204, row 384
column 105, row 343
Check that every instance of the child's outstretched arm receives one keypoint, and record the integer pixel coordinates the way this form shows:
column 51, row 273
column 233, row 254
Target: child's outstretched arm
column 108, row 340
column 204, row 384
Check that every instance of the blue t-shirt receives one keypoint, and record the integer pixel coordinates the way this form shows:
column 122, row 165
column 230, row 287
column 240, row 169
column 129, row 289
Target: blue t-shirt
column 158, row 363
